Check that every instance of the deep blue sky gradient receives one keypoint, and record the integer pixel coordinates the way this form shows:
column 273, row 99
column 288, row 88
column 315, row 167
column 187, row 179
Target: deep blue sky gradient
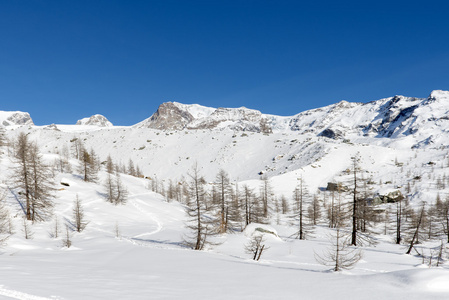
column 65, row 60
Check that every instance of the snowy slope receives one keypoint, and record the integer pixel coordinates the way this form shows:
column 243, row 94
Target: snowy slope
column 147, row 259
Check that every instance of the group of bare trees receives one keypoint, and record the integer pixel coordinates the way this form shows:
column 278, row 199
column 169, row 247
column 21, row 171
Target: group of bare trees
column 32, row 183
column 225, row 207
column 32, row 179
column 116, row 192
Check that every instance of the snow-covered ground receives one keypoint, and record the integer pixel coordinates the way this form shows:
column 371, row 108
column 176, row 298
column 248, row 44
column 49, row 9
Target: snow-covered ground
column 148, row 260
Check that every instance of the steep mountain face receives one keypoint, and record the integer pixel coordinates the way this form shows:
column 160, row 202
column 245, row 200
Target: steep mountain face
column 168, row 116
column 95, row 120
column 8, row 118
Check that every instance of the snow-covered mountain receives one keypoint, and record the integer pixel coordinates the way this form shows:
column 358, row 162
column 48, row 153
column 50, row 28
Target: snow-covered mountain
column 8, row 118
column 95, row 120
column 247, row 143
column 426, row 119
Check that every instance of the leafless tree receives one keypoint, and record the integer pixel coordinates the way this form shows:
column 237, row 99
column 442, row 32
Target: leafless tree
column 42, row 190
column 56, row 228
column 26, row 229
column 117, row 231
column 67, row 241
column 355, row 214
column 110, row 167
column 77, row 147
column 171, row 191
column 198, row 224
column 223, row 185
column 116, row 191
column 314, row 210
column 250, row 205
column 33, row 179
column 416, row 229
column 265, row 195
column 63, row 161
column 79, row 220
column 445, row 218
column 131, row 168
column 89, row 165
column 5, row 222
column 339, row 255
column 256, row 246
column 301, row 196
column 139, row 172
column 285, row 208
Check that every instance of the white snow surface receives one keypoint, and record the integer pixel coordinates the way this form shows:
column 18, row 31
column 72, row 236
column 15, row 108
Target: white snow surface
column 397, row 139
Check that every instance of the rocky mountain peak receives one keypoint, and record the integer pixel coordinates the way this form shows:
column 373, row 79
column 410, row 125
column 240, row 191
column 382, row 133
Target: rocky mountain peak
column 8, row 118
column 169, row 116
column 95, row 120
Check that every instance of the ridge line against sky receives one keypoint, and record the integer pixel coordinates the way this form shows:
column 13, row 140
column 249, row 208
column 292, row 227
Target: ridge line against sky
column 66, row 60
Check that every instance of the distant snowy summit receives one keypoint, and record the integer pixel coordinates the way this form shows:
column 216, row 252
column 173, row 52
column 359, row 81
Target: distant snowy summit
column 177, row 116
column 8, row 118
column 95, row 120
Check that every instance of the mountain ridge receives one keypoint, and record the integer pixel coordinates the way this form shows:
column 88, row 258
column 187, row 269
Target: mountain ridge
column 383, row 118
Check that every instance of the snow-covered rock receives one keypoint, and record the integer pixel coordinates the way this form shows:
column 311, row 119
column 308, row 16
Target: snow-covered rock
column 95, row 120
column 8, row 118
column 169, row 116
column 177, row 116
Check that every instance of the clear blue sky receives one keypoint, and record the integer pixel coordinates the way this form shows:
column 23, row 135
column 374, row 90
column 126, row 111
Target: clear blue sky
column 65, row 60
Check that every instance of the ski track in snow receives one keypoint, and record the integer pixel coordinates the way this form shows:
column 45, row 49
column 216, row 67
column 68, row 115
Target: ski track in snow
column 135, row 239
column 12, row 294
column 136, row 203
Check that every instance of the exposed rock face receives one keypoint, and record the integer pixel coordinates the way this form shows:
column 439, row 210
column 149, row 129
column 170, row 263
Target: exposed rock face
column 176, row 116
column 95, row 120
column 167, row 117
column 15, row 118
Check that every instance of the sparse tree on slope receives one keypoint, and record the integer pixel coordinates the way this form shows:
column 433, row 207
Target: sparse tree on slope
column 265, row 195
column 5, row 221
column 89, row 165
column 196, row 209
column 131, row 168
column 418, row 222
column 339, row 255
column 116, row 192
column 79, row 220
column 110, row 167
column 33, row 179
column 300, row 198
column 223, row 186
